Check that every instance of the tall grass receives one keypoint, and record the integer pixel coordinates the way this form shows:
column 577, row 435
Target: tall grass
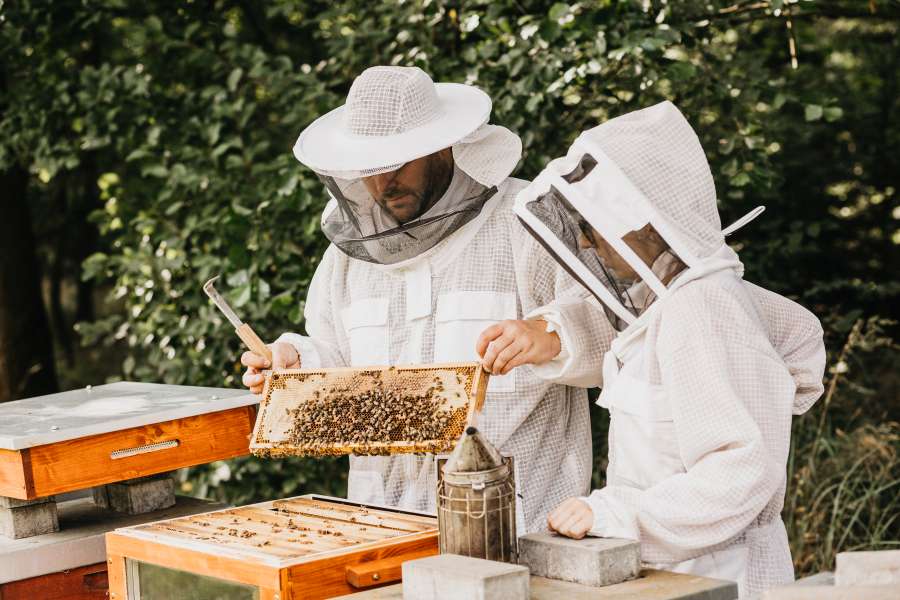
column 844, row 467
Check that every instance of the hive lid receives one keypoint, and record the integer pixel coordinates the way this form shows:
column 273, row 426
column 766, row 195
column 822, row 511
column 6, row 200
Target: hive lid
column 104, row 408
column 473, row 453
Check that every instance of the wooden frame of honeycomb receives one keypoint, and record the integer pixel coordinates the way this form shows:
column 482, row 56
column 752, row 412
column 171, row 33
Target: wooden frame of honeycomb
column 369, row 410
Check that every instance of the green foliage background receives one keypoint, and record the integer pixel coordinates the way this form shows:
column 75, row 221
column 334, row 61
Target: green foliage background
column 181, row 116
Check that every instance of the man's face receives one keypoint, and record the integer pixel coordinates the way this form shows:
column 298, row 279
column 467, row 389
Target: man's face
column 409, row 191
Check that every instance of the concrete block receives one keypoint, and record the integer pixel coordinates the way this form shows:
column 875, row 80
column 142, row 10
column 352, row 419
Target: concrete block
column 821, row 592
column 16, row 503
column 590, row 561
column 824, row 578
column 27, row 518
column 80, row 540
column 137, row 496
column 868, row 568
column 454, row 577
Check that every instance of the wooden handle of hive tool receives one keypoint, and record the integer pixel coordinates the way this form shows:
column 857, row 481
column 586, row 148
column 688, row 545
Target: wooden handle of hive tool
column 252, row 341
column 375, row 572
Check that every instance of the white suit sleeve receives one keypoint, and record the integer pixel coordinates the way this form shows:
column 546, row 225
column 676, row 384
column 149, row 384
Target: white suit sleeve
column 730, row 475
column 584, row 334
column 548, row 292
column 318, row 349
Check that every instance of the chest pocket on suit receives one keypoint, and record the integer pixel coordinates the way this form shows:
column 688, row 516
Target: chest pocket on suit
column 366, row 324
column 646, row 447
column 460, row 318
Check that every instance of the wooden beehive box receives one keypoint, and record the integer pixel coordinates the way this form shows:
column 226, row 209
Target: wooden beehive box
column 109, row 433
column 372, row 410
column 306, row 548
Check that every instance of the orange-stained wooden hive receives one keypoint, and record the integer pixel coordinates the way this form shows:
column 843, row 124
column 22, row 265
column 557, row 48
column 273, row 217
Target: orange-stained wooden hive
column 306, row 547
column 373, row 410
column 109, row 433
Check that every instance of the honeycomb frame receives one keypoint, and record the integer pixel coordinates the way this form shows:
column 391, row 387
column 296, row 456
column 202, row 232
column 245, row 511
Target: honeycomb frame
column 455, row 391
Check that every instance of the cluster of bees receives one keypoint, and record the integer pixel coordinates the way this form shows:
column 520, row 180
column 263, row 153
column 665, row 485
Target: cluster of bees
column 369, row 419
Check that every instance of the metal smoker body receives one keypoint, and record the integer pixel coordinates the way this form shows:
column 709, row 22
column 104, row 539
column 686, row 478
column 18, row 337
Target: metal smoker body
column 476, row 501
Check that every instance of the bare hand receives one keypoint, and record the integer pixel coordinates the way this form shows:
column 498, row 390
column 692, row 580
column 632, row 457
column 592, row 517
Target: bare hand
column 509, row 344
column 284, row 356
column 573, row 518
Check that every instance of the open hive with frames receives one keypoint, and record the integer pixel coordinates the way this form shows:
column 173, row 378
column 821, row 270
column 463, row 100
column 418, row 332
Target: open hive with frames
column 366, row 411
column 301, row 548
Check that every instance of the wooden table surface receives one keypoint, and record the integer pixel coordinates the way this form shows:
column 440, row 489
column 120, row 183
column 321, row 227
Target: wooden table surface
column 651, row 585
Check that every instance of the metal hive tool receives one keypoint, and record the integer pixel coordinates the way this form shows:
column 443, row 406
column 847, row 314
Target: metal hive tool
column 374, row 410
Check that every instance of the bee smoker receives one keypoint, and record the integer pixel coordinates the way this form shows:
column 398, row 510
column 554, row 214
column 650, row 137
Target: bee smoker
column 476, row 501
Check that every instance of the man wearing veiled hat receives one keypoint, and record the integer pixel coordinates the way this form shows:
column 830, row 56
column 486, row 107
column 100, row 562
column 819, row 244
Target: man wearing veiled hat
column 425, row 254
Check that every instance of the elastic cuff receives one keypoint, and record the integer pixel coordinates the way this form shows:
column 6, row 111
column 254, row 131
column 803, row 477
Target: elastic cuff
column 305, row 347
column 557, row 366
column 598, row 529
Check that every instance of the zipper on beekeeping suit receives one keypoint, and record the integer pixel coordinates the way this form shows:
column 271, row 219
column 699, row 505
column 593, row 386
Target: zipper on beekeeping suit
column 418, row 296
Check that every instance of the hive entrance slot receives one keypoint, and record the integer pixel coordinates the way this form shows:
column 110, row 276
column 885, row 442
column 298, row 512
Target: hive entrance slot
column 145, row 449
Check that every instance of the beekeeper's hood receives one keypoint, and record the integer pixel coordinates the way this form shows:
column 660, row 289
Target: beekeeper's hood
column 394, row 115
column 646, row 167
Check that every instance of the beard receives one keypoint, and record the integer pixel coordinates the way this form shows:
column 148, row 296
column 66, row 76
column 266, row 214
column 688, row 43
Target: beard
column 406, row 204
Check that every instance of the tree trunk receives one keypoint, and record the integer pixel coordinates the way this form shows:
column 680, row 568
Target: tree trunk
column 26, row 345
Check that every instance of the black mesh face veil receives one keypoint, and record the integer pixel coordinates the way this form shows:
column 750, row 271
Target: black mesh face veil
column 361, row 229
column 565, row 222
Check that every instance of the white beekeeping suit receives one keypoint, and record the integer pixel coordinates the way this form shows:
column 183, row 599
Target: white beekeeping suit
column 424, row 291
column 707, row 370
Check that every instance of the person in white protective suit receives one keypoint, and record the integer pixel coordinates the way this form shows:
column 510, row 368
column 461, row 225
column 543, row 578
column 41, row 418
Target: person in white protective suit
column 706, row 370
column 426, row 253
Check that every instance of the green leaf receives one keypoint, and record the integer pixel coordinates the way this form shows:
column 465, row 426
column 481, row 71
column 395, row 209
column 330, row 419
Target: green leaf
column 681, row 71
column 238, row 278
column 241, row 295
column 558, row 11
column 137, row 154
column 212, row 133
column 740, row 180
column 726, row 146
column 234, row 77
column 154, row 171
column 813, row 112
column 93, row 266
column 833, row 113
column 173, row 208
column 241, row 210
column 288, row 187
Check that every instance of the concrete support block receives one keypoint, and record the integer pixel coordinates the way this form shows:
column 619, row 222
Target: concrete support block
column 27, row 518
column 589, row 561
column 137, row 496
column 868, row 568
column 821, row 592
column 824, row 578
column 454, row 577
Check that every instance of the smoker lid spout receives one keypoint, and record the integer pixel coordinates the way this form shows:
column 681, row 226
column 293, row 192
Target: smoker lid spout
column 473, row 453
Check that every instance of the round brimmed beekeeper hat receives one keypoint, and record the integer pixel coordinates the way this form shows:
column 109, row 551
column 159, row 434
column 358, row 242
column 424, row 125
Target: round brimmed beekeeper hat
column 394, row 115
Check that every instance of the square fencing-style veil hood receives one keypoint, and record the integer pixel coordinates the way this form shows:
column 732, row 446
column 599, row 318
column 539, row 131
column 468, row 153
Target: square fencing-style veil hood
column 643, row 168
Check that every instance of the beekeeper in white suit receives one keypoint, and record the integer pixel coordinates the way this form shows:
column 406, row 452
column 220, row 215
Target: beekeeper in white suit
column 706, row 371
column 426, row 253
